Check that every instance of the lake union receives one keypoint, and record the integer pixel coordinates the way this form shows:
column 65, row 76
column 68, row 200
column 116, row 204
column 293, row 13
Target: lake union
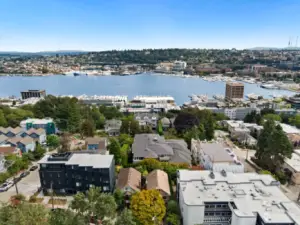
column 146, row 84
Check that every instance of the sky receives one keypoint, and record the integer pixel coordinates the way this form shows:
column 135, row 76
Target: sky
column 96, row 25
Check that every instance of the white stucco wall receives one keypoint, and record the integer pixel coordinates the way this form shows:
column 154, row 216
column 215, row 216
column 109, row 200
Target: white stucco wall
column 242, row 220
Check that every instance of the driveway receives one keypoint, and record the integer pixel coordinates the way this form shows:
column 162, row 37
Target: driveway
column 27, row 186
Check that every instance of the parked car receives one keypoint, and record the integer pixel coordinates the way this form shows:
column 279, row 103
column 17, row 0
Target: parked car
column 6, row 186
column 33, row 168
column 24, row 174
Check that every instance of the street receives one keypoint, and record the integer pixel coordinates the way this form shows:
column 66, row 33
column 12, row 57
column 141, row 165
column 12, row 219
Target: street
column 27, row 186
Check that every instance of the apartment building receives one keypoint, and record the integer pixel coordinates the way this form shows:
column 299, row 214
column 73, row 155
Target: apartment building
column 226, row 198
column 78, row 171
column 234, row 90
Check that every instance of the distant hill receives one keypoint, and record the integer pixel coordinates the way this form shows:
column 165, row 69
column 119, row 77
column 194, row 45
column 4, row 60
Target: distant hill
column 273, row 48
column 44, row 53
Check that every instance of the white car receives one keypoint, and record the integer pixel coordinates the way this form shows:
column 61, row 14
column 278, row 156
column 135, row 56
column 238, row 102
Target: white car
column 6, row 186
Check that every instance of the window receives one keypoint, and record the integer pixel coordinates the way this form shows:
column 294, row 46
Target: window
column 58, row 175
column 78, row 184
column 105, row 188
column 43, row 165
column 219, row 206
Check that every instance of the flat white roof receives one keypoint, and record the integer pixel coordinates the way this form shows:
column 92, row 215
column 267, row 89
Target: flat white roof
column 251, row 193
column 83, row 159
column 294, row 162
column 288, row 129
column 37, row 121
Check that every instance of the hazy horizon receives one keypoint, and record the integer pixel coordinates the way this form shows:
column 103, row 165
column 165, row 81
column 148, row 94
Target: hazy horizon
column 98, row 25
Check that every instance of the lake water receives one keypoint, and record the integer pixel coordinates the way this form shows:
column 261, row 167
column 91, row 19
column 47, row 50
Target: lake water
column 146, row 84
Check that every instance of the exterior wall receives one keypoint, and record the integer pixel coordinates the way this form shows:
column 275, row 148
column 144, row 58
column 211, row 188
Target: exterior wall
column 73, row 178
column 26, row 148
column 236, row 220
column 193, row 215
column 218, row 167
column 295, row 175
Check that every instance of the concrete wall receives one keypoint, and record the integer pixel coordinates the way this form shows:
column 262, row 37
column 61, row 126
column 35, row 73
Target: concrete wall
column 238, row 220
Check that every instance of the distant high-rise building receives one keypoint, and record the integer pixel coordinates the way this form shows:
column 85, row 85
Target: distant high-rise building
column 33, row 94
column 234, row 90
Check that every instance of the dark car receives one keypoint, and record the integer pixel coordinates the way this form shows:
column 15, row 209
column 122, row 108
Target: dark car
column 24, row 174
column 33, row 168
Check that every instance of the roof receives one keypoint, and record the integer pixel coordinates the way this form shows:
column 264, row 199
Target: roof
column 95, row 140
column 17, row 130
column 39, row 131
column 26, row 140
column 129, row 177
column 288, row 129
column 14, row 140
column 235, row 84
column 217, row 152
column 158, row 180
column 181, row 153
column 150, row 144
column 36, row 121
column 3, row 138
column 294, row 162
column 251, row 194
column 293, row 137
column 7, row 149
column 83, row 159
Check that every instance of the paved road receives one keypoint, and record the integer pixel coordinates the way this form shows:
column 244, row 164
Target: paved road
column 27, row 186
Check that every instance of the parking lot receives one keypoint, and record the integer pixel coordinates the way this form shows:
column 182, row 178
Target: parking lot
column 27, row 186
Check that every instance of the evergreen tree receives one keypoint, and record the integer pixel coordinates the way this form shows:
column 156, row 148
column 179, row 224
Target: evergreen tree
column 115, row 149
column 3, row 122
column 87, row 128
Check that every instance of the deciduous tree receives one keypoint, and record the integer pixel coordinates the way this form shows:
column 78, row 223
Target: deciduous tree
column 148, row 207
column 126, row 218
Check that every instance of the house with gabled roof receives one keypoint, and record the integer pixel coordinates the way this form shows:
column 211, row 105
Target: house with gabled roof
column 158, row 180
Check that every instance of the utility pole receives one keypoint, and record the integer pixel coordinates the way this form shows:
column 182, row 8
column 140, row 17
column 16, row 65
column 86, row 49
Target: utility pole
column 15, row 183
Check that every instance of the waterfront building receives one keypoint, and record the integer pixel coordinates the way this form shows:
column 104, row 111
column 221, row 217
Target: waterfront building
column 155, row 146
column 118, row 100
column 47, row 124
column 73, row 172
column 216, row 157
column 179, row 65
column 33, row 94
column 227, row 198
column 234, row 90
column 294, row 101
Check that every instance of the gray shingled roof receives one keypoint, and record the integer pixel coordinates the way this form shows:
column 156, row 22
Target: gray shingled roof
column 150, row 144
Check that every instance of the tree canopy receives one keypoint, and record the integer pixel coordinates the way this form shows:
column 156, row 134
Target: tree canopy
column 148, row 207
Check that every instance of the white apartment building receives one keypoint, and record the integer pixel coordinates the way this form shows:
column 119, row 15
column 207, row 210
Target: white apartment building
column 209, row 198
column 179, row 65
column 239, row 113
column 216, row 157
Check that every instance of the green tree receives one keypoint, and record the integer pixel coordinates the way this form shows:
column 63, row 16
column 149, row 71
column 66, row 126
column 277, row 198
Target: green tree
column 74, row 117
column 53, row 140
column 3, row 122
column 124, row 154
column 65, row 217
column 115, row 149
column 295, row 120
column 172, row 207
column 126, row 218
column 173, row 219
column 98, row 118
column 148, row 207
column 101, row 206
column 272, row 117
column 23, row 214
column 125, row 139
column 130, row 126
column 87, row 128
column 38, row 152
column 273, row 147
column 119, row 198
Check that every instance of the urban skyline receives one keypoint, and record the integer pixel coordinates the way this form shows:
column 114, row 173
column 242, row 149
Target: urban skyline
column 34, row 26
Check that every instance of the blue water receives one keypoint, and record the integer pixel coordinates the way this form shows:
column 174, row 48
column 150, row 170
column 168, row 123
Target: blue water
column 147, row 84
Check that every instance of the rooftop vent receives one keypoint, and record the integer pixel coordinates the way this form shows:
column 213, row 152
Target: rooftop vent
column 212, row 175
column 224, row 174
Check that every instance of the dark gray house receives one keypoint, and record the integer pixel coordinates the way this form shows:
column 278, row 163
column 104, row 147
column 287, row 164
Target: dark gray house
column 155, row 146
column 72, row 172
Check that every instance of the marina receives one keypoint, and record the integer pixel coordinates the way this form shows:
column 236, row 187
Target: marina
column 148, row 84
